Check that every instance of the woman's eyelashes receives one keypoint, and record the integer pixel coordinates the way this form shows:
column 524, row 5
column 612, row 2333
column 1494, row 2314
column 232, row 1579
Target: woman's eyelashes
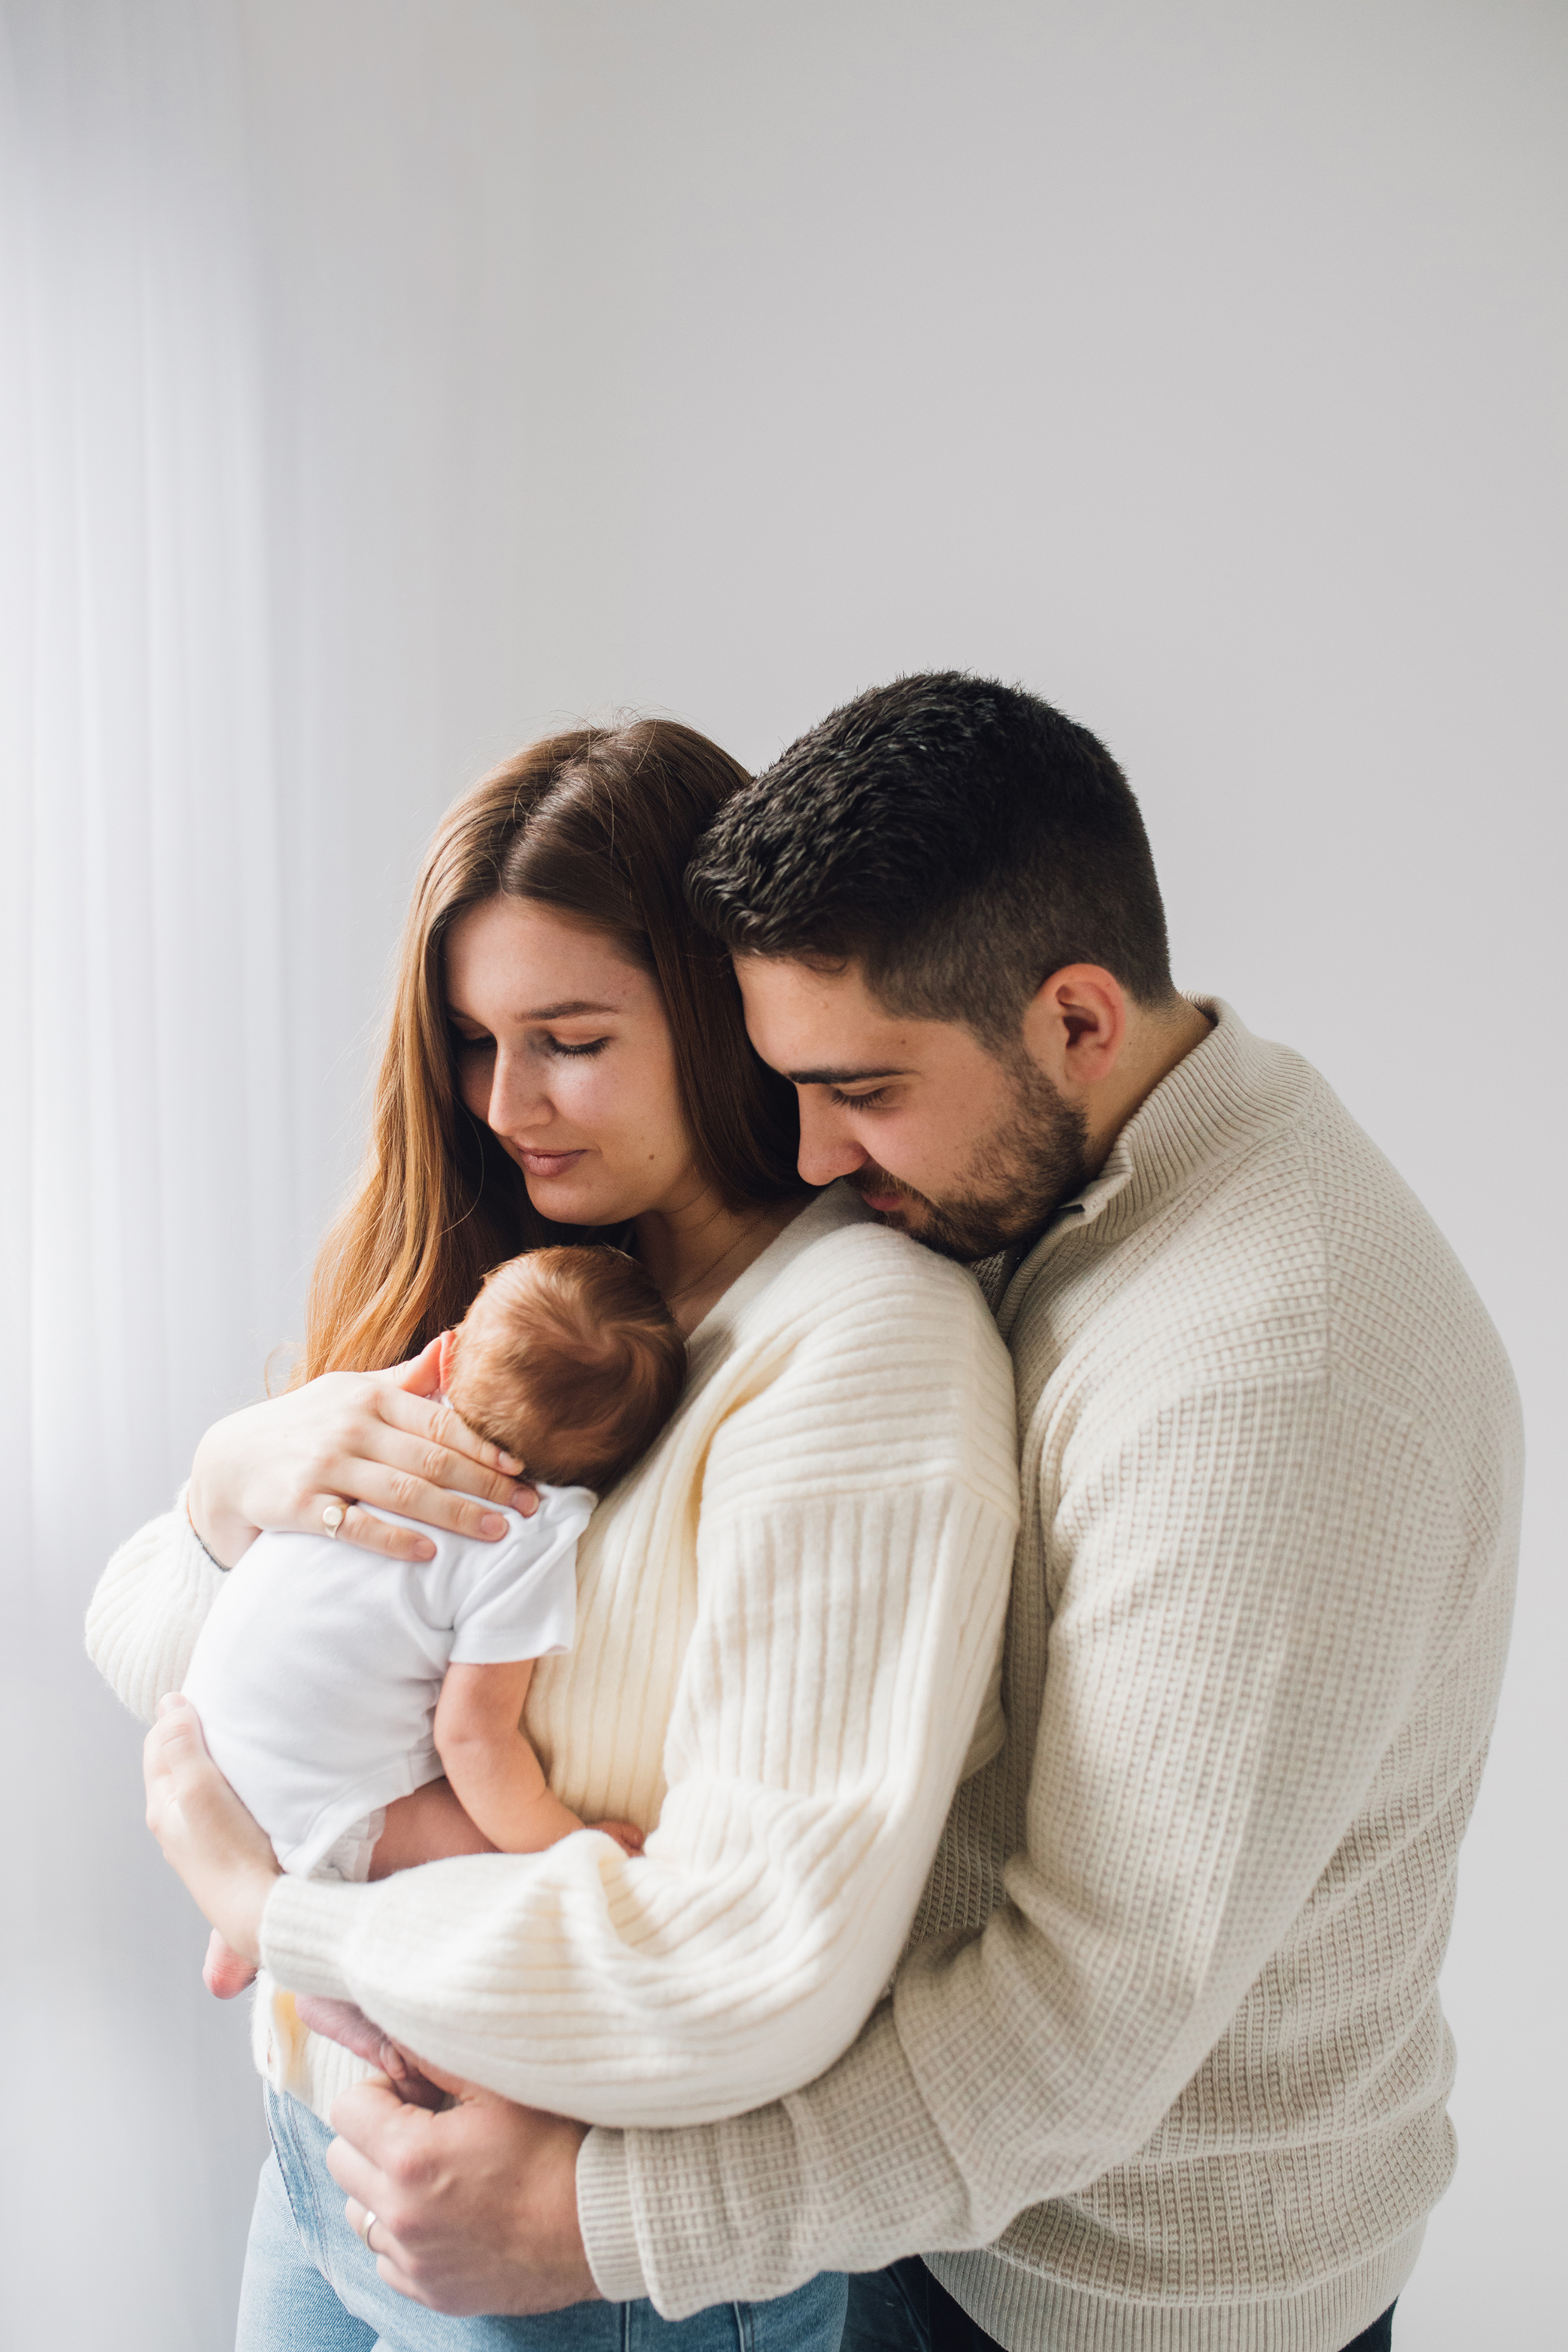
column 467, row 1047
column 575, row 1053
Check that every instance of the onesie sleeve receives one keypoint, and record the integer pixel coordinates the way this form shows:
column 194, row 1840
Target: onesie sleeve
column 854, row 1547
column 151, row 1604
column 523, row 1602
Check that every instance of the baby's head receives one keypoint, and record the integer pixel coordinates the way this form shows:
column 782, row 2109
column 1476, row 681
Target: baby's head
column 571, row 1360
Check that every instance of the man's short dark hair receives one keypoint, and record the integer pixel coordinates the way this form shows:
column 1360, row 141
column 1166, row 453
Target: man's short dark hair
column 959, row 839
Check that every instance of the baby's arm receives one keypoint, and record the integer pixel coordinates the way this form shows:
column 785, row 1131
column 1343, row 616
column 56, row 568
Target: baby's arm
column 491, row 1764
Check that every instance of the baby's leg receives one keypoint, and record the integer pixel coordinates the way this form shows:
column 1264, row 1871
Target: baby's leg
column 428, row 1826
column 346, row 2023
column 432, row 1825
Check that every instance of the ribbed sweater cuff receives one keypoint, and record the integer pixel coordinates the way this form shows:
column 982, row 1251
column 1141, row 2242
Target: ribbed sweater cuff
column 142, row 1659
column 604, row 2217
column 305, row 1932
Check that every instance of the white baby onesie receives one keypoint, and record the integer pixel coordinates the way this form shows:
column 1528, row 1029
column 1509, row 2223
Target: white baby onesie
column 316, row 1672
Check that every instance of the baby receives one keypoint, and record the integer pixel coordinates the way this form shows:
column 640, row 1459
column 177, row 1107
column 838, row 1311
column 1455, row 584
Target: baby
column 335, row 1687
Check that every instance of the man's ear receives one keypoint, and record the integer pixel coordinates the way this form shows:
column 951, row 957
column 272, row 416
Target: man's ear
column 1075, row 1026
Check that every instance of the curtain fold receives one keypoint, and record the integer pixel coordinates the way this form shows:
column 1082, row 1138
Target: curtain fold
column 149, row 1209
column 264, row 550
column 151, row 1186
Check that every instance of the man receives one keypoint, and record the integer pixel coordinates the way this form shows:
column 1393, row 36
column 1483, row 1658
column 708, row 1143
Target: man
column 1165, row 2065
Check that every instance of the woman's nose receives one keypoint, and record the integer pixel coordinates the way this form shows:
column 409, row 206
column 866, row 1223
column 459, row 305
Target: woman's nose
column 516, row 1099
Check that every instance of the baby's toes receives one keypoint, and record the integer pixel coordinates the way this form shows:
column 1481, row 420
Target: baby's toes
column 341, row 2020
column 224, row 1972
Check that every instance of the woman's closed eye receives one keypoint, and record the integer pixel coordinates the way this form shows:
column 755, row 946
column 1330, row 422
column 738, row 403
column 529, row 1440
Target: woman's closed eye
column 569, row 1049
column 575, row 1053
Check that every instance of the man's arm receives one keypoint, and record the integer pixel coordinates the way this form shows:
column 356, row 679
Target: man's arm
column 477, row 2209
column 1252, row 1576
column 1232, row 1649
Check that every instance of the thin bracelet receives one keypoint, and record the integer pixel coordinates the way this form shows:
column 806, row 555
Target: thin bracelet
column 196, row 1532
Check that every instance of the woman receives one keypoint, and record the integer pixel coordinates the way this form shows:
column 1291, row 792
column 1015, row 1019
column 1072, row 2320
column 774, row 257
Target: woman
column 789, row 1612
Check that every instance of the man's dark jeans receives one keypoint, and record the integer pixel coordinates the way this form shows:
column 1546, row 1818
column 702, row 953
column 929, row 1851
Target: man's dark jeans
column 905, row 2310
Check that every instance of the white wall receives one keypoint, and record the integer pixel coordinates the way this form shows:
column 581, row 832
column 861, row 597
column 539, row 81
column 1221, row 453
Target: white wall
column 1202, row 367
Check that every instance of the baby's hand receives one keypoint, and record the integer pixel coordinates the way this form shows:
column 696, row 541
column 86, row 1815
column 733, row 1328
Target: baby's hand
column 626, row 1834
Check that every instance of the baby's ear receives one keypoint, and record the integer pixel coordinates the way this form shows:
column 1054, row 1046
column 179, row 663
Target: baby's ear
column 446, row 1348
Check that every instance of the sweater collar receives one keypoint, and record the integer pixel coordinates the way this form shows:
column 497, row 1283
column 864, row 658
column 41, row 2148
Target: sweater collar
column 1215, row 1102
column 1182, row 1123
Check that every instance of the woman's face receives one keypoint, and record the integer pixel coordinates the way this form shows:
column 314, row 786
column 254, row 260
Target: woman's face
column 563, row 1049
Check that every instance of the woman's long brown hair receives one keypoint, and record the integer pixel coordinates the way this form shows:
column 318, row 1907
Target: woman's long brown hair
column 600, row 824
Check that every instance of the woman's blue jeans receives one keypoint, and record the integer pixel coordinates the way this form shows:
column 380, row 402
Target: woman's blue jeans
column 311, row 2286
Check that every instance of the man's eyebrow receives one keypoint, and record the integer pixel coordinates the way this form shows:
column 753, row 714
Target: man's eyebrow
column 841, row 1077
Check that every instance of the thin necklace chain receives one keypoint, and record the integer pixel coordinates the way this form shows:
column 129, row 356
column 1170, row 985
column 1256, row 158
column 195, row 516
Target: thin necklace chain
column 710, row 1269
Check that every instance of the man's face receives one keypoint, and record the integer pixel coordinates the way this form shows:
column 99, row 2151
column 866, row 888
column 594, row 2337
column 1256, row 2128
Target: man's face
column 962, row 1149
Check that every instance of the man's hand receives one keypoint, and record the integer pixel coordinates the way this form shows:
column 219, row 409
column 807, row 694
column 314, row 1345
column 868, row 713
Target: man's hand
column 476, row 2208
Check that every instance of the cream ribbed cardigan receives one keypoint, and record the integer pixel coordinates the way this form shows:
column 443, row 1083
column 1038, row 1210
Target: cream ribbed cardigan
column 789, row 1626
column 1186, row 2092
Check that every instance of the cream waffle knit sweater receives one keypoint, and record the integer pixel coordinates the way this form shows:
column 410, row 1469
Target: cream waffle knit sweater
column 1185, row 2093
column 789, row 1628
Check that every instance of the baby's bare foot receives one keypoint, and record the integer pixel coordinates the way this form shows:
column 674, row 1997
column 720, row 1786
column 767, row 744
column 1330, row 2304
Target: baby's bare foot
column 345, row 2022
column 223, row 1972
column 626, row 1834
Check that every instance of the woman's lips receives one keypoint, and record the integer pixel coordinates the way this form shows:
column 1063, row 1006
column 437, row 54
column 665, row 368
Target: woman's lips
column 546, row 1163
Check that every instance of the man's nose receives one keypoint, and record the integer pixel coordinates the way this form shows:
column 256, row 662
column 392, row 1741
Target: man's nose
column 827, row 1148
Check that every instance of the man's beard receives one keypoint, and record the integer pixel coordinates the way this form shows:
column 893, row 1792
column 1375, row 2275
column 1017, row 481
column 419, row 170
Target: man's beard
column 1032, row 1160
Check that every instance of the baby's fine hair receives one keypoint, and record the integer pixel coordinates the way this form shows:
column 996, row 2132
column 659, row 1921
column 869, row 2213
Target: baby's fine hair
column 571, row 1360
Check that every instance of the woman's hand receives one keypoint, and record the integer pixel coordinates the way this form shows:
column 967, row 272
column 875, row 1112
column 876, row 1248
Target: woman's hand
column 353, row 1437
column 219, row 1850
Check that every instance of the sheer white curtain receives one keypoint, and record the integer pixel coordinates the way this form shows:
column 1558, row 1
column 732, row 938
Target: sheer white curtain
column 157, row 1201
column 151, row 1211
column 258, row 542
